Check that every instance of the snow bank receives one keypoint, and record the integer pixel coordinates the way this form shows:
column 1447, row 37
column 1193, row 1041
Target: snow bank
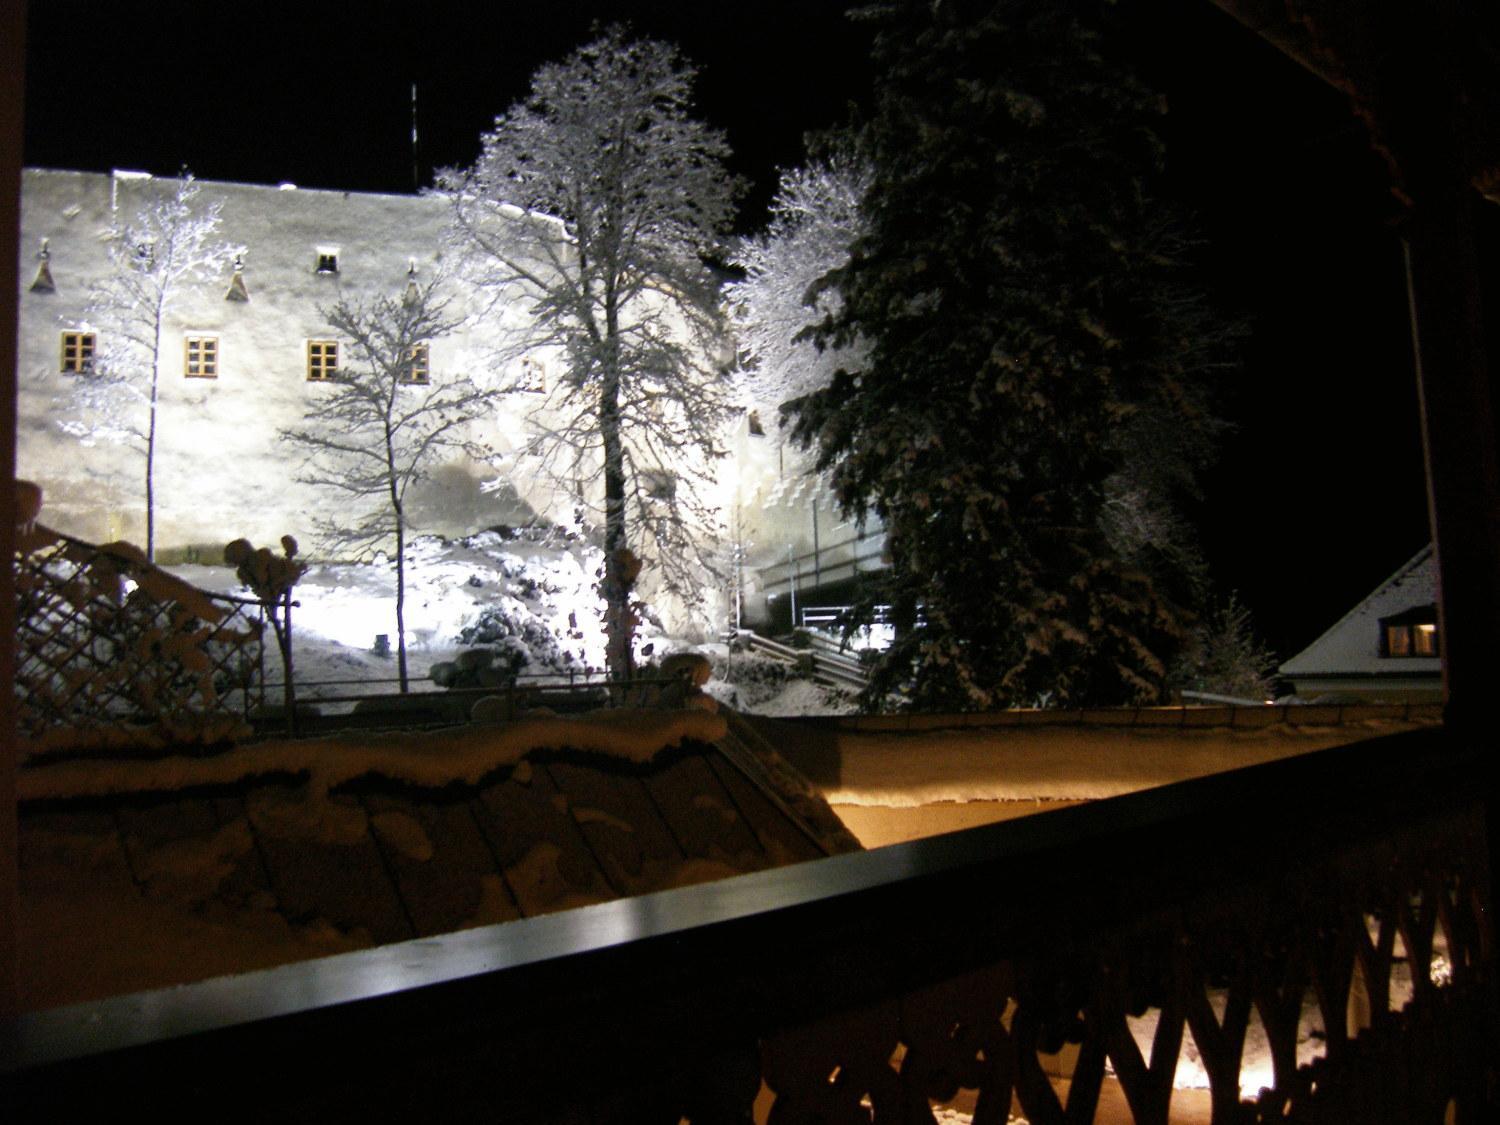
column 1057, row 763
column 426, row 758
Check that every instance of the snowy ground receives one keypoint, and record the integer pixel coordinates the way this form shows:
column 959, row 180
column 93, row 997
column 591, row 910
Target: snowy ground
column 529, row 597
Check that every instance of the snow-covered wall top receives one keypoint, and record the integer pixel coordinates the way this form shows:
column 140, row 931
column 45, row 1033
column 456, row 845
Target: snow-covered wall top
column 1352, row 645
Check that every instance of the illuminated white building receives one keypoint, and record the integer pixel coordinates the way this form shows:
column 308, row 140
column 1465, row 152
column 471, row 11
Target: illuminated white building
column 245, row 356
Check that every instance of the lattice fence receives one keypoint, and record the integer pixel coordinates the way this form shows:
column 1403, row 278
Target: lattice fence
column 112, row 649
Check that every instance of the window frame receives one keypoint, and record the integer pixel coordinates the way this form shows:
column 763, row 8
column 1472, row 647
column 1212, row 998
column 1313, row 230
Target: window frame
column 319, row 368
column 417, row 371
column 326, row 264
column 1411, row 635
column 77, row 349
column 208, row 357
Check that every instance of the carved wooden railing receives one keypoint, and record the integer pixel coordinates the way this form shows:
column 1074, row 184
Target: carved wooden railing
column 109, row 646
column 867, row 987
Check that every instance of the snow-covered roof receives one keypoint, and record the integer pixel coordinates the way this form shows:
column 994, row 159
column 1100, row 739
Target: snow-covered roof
column 153, row 871
column 1352, row 645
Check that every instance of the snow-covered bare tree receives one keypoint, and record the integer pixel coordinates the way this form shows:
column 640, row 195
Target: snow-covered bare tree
column 606, row 143
column 157, row 253
column 815, row 217
column 386, row 422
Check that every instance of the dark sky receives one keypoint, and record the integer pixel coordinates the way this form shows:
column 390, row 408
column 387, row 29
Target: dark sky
column 1318, row 494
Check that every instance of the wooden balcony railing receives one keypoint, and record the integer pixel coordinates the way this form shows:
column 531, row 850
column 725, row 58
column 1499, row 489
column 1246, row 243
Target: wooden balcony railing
column 1346, row 889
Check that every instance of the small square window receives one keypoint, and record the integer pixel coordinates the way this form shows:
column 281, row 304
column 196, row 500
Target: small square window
column 77, row 352
column 328, row 261
column 417, row 369
column 322, row 360
column 201, row 357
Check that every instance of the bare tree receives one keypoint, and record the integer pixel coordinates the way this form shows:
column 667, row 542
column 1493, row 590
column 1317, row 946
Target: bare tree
column 157, row 254
column 387, row 419
column 786, row 292
column 605, row 143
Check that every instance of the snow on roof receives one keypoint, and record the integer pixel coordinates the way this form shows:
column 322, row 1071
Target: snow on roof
column 416, row 758
column 1352, row 644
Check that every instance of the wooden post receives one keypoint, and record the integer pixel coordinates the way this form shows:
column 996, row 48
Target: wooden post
column 12, row 87
column 1424, row 118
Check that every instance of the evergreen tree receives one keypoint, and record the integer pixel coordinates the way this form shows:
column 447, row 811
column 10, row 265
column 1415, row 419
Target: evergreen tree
column 1032, row 377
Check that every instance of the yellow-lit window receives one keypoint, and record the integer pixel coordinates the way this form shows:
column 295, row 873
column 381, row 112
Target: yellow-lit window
column 1398, row 640
column 77, row 352
column 322, row 360
column 1424, row 639
column 417, row 369
column 201, row 357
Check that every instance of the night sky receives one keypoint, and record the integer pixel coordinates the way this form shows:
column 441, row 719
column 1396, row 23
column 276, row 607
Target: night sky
column 1318, row 494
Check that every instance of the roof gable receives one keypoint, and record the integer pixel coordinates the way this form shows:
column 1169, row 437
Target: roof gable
column 1352, row 645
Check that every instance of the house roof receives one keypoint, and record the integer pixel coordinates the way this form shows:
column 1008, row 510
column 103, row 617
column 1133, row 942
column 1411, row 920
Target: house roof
column 139, row 873
column 1352, row 645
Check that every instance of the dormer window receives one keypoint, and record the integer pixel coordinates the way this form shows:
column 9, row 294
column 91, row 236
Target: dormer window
column 1411, row 634
column 328, row 261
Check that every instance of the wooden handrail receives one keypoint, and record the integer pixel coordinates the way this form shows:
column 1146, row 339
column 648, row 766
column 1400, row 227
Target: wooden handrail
column 678, row 1000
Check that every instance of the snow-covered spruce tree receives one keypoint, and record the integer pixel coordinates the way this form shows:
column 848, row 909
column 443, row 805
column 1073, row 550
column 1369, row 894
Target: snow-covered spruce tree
column 156, row 254
column 816, row 216
column 605, row 142
column 384, row 423
column 1015, row 292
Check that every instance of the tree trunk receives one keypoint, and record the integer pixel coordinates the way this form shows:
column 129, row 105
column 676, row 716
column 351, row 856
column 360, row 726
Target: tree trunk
column 151, row 447
column 618, row 623
column 401, row 598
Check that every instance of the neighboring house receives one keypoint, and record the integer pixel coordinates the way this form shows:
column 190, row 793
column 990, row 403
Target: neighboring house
column 1386, row 649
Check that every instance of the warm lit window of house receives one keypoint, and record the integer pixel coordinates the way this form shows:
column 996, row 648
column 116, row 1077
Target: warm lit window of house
column 201, row 357
column 1413, row 633
column 77, row 352
column 322, row 360
column 417, row 370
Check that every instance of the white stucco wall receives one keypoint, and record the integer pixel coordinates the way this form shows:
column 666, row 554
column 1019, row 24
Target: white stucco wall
column 220, row 470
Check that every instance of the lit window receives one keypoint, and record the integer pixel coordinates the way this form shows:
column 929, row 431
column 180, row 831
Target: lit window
column 1413, row 633
column 417, row 370
column 77, row 352
column 201, row 358
column 328, row 261
column 1424, row 640
column 322, row 360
